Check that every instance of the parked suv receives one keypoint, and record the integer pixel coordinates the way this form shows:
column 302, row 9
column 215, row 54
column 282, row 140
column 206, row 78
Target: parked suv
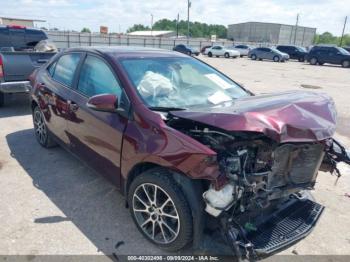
column 329, row 54
column 294, row 52
column 185, row 49
column 19, row 37
column 198, row 157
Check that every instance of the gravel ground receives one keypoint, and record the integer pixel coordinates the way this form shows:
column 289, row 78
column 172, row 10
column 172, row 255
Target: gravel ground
column 53, row 204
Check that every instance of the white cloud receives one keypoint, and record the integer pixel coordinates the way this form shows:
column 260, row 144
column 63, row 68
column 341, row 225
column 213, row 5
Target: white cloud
column 325, row 15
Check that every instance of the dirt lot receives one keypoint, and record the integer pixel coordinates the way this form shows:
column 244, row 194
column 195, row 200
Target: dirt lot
column 52, row 204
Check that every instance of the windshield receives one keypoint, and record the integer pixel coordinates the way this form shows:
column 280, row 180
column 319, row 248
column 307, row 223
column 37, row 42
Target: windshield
column 343, row 51
column 178, row 82
column 301, row 49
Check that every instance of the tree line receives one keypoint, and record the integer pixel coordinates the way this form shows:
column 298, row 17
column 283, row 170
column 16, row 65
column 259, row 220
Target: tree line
column 197, row 29
column 329, row 38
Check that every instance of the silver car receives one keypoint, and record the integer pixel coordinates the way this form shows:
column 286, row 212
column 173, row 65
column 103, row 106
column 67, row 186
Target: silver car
column 261, row 53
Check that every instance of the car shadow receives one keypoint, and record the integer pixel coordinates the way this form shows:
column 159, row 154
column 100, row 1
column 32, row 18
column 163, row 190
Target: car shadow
column 86, row 199
column 15, row 105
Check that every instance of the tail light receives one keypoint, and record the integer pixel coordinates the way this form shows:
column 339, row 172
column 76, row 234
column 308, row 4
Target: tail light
column 1, row 68
column 16, row 27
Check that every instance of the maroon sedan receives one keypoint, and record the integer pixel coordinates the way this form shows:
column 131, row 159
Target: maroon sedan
column 195, row 154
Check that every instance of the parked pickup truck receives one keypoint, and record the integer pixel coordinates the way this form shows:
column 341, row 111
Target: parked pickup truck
column 16, row 65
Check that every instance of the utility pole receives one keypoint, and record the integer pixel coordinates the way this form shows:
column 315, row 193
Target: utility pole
column 151, row 24
column 296, row 28
column 342, row 35
column 188, row 18
column 177, row 26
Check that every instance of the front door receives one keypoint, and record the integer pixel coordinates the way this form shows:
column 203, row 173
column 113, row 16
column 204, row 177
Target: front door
column 96, row 136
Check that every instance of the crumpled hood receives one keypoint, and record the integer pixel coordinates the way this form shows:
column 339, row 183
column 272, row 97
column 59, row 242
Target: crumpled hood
column 294, row 116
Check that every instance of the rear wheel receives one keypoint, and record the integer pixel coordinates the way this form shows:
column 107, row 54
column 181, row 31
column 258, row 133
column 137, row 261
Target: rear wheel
column 160, row 209
column 276, row 58
column 189, row 53
column 345, row 63
column 2, row 99
column 227, row 55
column 254, row 56
column 313, row 61
column 42, row 134
column 210, row 54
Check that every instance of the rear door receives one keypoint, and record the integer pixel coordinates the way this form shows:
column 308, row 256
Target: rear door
column 53, row 91
column 96, row 136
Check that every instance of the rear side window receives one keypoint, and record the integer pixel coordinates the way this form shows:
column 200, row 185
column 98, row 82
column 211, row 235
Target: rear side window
column 96, row 78
column 4, row 37
column 34, row 36
column 65, row 68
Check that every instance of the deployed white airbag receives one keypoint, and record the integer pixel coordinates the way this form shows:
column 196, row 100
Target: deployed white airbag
column 154, row 84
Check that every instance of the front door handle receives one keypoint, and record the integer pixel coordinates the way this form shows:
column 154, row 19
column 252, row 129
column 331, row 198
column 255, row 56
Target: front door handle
column 73, row 106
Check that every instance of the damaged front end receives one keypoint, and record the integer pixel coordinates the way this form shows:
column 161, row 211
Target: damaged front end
column 264, row 205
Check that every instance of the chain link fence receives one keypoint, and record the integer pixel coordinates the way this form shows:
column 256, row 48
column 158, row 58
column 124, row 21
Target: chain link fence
column 64, row 39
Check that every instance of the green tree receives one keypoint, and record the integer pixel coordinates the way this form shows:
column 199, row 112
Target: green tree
column 197, row 29
column 138, row 27
column 85, row 30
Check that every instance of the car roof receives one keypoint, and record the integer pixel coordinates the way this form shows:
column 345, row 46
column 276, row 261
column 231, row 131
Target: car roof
column 126, row 51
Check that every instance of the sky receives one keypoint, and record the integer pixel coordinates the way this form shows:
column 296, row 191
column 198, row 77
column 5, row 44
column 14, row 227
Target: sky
column 119, row 15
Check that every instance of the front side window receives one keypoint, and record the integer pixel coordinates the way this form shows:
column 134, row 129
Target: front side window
column 65, row 68
column 179, row 82
column 97, row 78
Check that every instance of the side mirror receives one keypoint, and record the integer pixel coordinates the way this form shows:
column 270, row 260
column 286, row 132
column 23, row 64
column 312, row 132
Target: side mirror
column 104, row 103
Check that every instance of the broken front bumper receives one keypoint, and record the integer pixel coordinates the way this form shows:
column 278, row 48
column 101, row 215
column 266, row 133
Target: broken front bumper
column 287, row 225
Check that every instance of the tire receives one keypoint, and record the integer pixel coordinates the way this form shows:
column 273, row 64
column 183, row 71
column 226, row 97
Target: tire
column 2, row 99
column 345, row 63
column 227, row 55
column 210, row 54
column 241, row 56
column 189, row 53
column 276, row 58
column 217, row 56
column 313, row 61
column 320, row 63
column 142, row 209
column 301, row 59
column 253, row 56
column 42, row 133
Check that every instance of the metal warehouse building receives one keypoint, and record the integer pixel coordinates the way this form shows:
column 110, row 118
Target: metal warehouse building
column 257, row 32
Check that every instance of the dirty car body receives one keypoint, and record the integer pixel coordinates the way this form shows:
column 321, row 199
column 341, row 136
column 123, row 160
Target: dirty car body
column 195, row 154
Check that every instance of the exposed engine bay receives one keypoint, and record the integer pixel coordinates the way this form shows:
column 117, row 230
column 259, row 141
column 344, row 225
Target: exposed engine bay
column 261, row 173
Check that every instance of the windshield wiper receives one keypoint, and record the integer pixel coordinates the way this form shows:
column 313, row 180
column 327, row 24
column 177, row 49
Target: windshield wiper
column 166, row 109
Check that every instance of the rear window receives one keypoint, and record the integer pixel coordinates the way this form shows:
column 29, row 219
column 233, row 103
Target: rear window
column 4, row 37
column 65, row 68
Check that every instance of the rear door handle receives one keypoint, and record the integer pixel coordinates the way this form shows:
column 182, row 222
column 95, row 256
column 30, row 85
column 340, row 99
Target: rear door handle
column 73, row 106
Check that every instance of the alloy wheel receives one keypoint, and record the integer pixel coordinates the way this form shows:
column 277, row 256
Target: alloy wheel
column 40, row 127
column 156, row 213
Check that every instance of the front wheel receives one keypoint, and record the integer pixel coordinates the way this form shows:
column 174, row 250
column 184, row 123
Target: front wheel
column 42, row 134
column 276, row 58
column 345, row 63
column 210, row 54
column 160, row 210
column 253, row 57
column 227, row 55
